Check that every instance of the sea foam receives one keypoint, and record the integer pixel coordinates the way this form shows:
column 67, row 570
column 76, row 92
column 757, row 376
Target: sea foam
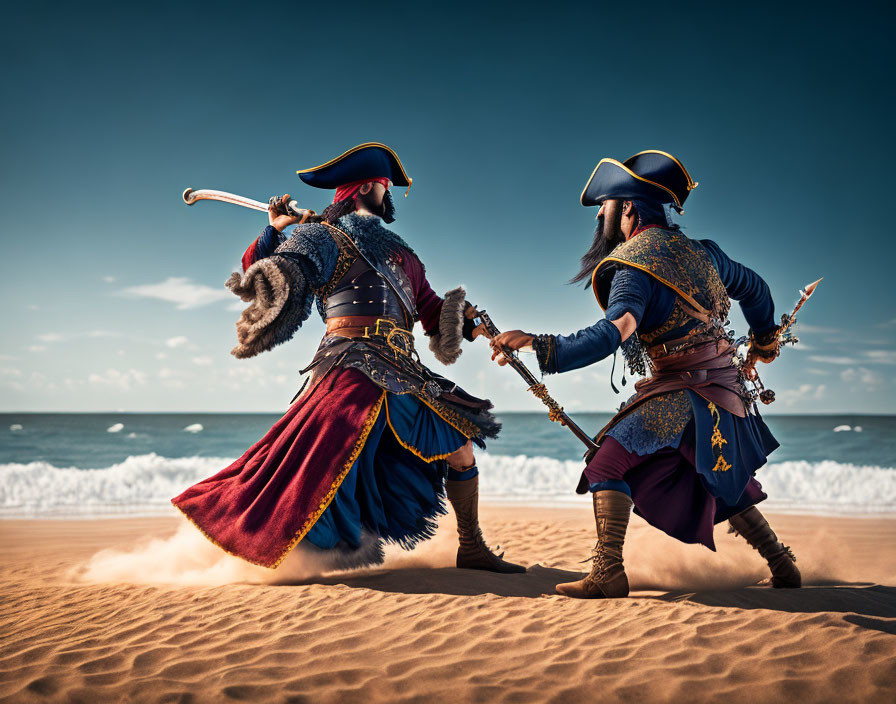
column 144, row 484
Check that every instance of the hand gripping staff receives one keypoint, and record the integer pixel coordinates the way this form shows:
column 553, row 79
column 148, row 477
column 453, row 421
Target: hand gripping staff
column 785, row 337
column 555, row 411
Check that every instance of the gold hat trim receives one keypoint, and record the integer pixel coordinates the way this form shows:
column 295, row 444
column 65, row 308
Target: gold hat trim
column 692, row 184
column 366, row 145
column 630, row 173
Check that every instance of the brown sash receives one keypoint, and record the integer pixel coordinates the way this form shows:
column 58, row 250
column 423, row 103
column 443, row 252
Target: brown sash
column 705, row 369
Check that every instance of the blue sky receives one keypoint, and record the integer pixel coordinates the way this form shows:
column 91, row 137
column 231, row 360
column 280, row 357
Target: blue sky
column 113, row 288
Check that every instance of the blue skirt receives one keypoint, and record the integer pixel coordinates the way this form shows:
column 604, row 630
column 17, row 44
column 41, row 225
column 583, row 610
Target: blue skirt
column 729, row 449
column 395, row 489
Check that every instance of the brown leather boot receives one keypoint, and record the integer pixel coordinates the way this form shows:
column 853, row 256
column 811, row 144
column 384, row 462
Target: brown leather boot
column 607, row 579
column 751, row 524
column 473, row 553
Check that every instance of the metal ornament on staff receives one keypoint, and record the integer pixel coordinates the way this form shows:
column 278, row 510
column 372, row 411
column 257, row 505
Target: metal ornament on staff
column 555, row 410
column 785, row 337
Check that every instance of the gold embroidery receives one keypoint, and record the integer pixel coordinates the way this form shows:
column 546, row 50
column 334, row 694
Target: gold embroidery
column 717, row 439
column 346, row 258
column 410, row 448
column 452, row 418
column 674, row 260
column 334, row 487
column 721, row 465
column 666, row 416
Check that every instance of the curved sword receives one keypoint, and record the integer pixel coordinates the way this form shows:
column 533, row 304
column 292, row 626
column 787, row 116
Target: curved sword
column 191, row 196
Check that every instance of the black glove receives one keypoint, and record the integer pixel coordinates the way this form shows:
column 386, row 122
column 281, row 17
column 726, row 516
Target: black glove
column 469, row 324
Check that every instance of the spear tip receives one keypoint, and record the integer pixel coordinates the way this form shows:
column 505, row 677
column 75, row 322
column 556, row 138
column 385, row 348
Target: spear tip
column 810, row 289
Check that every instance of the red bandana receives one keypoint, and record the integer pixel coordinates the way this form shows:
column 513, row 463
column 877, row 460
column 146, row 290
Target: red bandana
column 350, row 190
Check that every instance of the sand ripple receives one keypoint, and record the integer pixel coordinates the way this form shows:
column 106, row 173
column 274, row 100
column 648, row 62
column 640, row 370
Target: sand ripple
column 693, row 630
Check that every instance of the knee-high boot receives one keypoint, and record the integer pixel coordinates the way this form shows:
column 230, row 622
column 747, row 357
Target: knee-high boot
column 751, row 524
column 473, row 553
column 607, row 579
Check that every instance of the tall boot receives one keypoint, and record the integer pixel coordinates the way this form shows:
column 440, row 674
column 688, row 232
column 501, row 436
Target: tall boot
column 473, row 553
column 751, row 524
column 607, row 579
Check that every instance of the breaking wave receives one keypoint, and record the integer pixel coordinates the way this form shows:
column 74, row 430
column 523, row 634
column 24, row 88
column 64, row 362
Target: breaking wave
column 144, row 485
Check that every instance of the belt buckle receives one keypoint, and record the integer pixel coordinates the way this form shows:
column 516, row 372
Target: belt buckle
column 406, row 337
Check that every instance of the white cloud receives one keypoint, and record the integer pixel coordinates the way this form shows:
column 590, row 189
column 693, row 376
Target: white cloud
column 845, row 361
column 863, row 376
column 109, row 279
column 179, row 341
column 36, row 348
column 818, row 372
column 237, row 306
column 180, row 291
column 161, row 355
column 881, row 356
column 805, row 392
column 103, row 333
column 50, row 337
column 203, row 361
column 814, row 328
column 117, row 379
column 171, row 378
column 10, row 372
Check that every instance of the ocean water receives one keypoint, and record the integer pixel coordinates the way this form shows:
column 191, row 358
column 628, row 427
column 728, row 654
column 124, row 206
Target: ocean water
column 73, row 465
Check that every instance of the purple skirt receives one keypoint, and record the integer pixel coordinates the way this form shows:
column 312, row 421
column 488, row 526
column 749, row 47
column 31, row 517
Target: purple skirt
column 667, row 490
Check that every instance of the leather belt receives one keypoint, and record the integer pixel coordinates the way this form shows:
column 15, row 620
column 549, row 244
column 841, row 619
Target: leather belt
column 348, row 325
column 396, row 337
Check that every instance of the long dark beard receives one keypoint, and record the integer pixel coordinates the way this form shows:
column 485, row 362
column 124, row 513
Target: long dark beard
column 607, row 236
column 385, row 208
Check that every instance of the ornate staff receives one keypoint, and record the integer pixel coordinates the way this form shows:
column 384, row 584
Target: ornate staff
column 785, row 337
column 555, row 411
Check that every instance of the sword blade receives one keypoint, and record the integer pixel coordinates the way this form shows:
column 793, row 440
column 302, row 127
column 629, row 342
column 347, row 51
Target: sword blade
column 191, row 196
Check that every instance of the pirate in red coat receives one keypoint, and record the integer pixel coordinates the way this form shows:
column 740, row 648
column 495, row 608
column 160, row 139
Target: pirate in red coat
column 374, row 441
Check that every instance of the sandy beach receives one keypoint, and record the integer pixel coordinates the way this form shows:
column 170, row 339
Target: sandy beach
column 145, row 610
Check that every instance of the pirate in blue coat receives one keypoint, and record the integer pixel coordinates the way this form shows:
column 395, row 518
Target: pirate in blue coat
column 683, row 450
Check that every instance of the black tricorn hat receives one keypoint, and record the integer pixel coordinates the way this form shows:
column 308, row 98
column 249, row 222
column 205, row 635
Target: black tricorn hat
column 366, row 161
column 651, row 175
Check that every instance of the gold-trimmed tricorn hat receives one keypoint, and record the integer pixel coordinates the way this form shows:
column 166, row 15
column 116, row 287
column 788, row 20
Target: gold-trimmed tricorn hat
column 650, row 175
column 366, row 161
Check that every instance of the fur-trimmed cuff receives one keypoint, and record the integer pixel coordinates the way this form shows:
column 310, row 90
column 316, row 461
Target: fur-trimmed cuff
column 270, row 286
column 445, row 344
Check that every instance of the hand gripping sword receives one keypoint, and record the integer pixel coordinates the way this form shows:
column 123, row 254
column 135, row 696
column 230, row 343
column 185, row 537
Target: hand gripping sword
column 555, row 411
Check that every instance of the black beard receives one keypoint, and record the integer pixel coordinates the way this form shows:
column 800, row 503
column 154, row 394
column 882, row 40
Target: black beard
column 385, row 208
column 607, row 236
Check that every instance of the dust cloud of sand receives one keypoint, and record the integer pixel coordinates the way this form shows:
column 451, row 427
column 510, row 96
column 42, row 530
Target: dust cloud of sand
column 187, row 558
column 655, row 561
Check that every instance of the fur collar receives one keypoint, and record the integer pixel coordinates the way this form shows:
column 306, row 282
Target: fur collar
column 375, row 241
